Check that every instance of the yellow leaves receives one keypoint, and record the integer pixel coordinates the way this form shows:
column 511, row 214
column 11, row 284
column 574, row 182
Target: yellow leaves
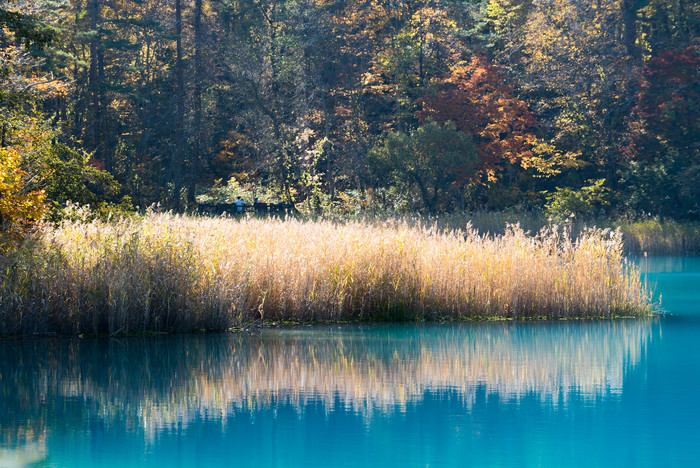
column 496, row 12
column 377, row 83
column 22, row 171
column 432, row 19
column 46, row 86
column 373, row 17
column 17, row 204
column 549, row 161
column 563, row 40
column 233, row 140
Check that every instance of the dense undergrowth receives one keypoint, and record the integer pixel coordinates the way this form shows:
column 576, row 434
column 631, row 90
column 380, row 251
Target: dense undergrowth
column 172, row 273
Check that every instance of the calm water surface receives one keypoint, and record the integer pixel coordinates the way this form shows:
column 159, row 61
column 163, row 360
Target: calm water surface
column 589, row 393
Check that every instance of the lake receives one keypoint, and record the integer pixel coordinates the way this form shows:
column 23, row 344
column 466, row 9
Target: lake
column 563, row 393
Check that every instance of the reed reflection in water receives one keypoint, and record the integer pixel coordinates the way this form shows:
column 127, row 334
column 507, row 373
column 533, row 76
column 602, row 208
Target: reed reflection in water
column 151, row 384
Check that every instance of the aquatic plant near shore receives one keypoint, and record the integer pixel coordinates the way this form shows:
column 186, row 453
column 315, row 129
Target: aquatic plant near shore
column 661, row 237
column 651, row 235
column 174, row 273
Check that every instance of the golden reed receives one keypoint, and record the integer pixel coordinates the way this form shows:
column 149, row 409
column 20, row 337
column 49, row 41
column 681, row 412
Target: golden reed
column 164, row 272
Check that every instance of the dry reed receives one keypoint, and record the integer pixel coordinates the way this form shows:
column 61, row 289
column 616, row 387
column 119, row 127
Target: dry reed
column 658, row 237
column 653, row 236
column 172, row 273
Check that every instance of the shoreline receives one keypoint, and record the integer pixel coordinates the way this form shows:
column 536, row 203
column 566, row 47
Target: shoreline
column 252, row 328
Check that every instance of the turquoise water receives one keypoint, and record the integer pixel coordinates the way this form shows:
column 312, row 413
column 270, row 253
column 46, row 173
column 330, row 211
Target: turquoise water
column 577, row 393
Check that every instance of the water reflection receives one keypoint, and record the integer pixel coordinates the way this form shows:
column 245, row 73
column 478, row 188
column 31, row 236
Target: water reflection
column 661, row 264
column 147, row 385
column 675, row 283
column 25, row 455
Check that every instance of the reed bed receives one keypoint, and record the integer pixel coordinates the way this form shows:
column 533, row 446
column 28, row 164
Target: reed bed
column 653, row 236
column 662, row 237
column 172, row 273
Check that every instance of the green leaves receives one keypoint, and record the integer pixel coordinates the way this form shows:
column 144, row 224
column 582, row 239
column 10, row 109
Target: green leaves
column 565, row 202
column 435, row 159
column 27, row 28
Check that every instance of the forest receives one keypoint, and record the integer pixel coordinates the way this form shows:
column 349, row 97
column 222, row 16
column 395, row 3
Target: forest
column 583, row 107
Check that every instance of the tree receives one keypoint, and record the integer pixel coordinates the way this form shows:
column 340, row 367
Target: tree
column 478, row 100
column 21, row 201
column 19, row 204
column 578, row 73
column 70, row 178
column 662, row 144
column 277, row 105
column 170, row 96
column 177, row 153
column 437, row 160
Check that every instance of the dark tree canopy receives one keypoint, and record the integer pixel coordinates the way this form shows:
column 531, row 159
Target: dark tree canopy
column 418, row 105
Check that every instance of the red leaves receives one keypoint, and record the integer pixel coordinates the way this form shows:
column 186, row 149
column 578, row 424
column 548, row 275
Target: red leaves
column 97, row 164
column 478, row 100
column 665, row 115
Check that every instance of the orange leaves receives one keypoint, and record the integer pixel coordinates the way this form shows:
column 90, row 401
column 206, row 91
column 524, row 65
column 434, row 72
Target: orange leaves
column 44, row 86
column 477, row 99
column 234, row 153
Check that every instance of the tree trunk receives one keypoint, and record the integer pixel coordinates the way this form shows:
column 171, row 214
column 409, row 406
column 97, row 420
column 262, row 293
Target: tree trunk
column 176, row 161
column 197, row 102
column 104, row 142
column 629, row 22
column 428, row 201
column 94, row 81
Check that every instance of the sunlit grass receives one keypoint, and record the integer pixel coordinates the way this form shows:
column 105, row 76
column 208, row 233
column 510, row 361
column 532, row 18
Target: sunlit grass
column 172, row 273
column 662, row 237
column 654, row 236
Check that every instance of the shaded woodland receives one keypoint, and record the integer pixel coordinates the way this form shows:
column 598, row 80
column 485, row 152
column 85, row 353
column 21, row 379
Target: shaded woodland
column 568, row 106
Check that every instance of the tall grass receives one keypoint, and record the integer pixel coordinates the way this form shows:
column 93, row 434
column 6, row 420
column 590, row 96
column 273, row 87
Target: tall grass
column 172, row 273
column 659, row 237
column 654, row 236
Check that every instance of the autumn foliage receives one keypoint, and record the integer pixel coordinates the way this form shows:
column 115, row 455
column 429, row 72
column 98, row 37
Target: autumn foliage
column 478, row 100
column 663, row 132
column 18, row 203
column 668, row 103
column 322, row 102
